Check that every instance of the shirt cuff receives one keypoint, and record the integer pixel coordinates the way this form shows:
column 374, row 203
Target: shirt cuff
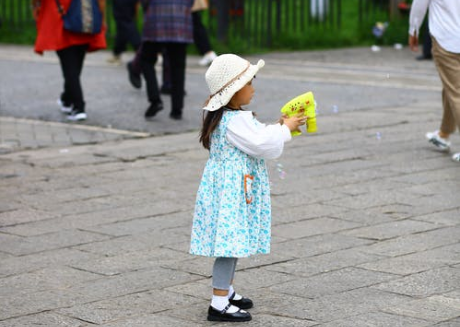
column 286, row 133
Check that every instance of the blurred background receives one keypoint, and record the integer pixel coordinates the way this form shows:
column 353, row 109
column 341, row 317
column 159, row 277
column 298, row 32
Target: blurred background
column 250, row 26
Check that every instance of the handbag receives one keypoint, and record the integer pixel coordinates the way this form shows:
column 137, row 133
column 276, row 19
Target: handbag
column 199, row 5
column 82, row 16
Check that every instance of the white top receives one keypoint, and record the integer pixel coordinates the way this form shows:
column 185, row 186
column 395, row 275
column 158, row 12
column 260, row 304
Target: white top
column 444, row 21
column 257, row 139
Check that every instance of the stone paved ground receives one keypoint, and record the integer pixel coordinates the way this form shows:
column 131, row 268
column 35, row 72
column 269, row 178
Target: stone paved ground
column 95, row 219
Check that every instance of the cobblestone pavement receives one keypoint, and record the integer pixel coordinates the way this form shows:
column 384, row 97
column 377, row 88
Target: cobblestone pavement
column 95, row 218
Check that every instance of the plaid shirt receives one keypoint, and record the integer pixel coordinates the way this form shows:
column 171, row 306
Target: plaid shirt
column 168, row 21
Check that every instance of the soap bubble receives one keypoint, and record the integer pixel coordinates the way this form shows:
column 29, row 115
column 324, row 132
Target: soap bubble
column 378, row 135
column 281, row 172
column 335, row 109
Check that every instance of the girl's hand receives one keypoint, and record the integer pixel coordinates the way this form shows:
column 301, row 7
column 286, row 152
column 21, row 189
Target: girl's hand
column 293, row 122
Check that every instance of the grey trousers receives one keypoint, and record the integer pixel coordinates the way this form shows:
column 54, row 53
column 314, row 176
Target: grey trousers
column 223, row 272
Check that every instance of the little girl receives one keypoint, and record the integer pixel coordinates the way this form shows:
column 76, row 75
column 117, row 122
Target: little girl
column 233, row 213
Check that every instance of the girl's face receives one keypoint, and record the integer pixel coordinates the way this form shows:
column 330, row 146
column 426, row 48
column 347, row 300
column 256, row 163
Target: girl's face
column 242, row 97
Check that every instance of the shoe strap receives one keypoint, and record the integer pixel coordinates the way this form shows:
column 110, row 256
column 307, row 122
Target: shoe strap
column 226, row 308
column 232, row 296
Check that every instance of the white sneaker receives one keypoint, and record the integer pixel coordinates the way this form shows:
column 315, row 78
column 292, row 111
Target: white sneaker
column 439, row 142
column 64, row 109
column 456, row 157
column 77, row 116
column 207, row 59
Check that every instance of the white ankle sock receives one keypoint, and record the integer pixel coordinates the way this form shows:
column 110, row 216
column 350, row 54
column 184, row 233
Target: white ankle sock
column 231, row 290
column 219, row 302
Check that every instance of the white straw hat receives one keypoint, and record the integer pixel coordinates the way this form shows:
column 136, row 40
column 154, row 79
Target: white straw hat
column 227, row 75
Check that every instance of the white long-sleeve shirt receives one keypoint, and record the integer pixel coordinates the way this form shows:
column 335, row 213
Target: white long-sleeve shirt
column 257, row 139
column 444, row 21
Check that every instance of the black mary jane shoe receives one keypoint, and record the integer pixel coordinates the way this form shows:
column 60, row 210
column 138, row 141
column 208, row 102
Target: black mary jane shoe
column 243, row 303
column 239, row 316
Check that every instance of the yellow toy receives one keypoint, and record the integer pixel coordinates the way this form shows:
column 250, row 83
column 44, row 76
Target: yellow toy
column 304, row 103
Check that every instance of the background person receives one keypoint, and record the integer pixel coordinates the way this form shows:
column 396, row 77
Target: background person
column 124, row 13
column 71, row 49
column 167, row 25
column 200, row 34
column 444, row 25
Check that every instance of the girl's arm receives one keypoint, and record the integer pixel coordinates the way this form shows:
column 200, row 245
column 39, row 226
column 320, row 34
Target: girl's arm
column 256, row 139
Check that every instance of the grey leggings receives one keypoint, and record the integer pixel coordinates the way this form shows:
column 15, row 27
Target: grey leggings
column 223, row 272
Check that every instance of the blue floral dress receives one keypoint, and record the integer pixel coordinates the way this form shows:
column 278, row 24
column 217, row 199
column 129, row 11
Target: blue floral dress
column 233, row 210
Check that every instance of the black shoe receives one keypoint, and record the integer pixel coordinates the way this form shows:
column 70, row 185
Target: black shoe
column 175, row 115
column 216, row 315
column 243, row 303
column 423, row 57
column 135, row 79
column 153, row 109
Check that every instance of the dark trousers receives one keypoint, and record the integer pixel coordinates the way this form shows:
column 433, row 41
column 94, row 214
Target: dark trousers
column 71, row 60
column 427, row 44
column 200, row 34
column 124, row 12
column 176, row 55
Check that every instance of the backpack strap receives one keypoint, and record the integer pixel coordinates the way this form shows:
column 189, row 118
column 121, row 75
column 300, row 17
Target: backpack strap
column 61, row 11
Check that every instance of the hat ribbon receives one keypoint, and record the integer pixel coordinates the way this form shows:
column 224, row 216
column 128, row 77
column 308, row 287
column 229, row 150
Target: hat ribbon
column 231, row 81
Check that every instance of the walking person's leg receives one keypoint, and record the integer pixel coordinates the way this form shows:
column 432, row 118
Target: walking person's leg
column 71, row 60
column 119, row 45
column 148, row 58
column 448, row 66
column 121, row 38
column 201, row 39
column 132, row 35
column 221, row 309
column 176, row 53
column 200, row 35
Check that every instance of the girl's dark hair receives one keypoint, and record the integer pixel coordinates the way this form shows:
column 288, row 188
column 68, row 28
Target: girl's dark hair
column 211, row 120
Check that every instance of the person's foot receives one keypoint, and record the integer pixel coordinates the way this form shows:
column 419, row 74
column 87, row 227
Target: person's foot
column 175, row 115
column 456, row 157
column 230, row 313
column 134, row 78
column 440, row 143
column 153, row 109
column 423, row 57
column 63, row 108
column 77, row 116
column 242, row 302
column 208, row 58
column 114, row 60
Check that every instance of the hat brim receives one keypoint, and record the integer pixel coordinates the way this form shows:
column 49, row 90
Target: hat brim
column 223, row 97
